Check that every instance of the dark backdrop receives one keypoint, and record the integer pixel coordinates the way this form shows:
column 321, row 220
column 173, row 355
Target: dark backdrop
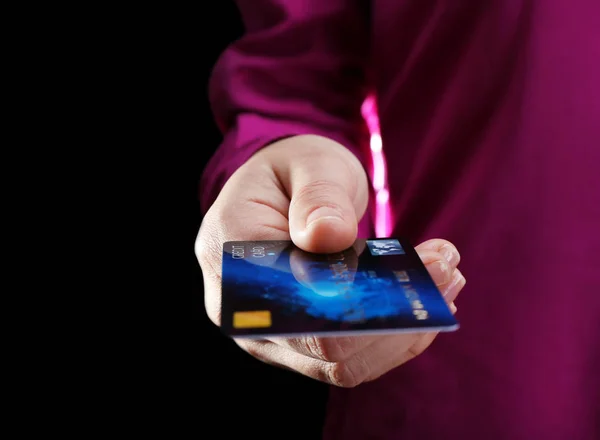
column 246, row 395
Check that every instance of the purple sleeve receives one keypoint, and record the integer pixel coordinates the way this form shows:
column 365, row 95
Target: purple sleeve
column 299, row 69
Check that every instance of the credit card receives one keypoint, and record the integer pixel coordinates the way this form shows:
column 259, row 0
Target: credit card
column 273, row 288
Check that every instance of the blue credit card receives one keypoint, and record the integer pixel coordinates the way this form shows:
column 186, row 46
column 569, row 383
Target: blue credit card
column 273, row 288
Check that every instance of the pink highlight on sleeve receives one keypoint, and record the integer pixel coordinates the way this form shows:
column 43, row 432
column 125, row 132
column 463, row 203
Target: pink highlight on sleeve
column 383, row 217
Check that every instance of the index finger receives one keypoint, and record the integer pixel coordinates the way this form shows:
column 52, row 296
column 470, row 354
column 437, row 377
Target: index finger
column 444, row 247
column 238, row 214
column 340, row 348
column 329, row 349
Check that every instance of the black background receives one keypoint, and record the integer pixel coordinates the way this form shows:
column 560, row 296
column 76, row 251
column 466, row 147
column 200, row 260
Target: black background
column 247, row 396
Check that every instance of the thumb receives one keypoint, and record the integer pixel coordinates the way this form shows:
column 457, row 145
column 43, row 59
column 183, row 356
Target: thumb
column 329, row 195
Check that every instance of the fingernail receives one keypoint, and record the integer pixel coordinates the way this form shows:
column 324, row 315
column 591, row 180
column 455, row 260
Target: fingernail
column 439, row 271
column 324, row 212
column 457, row 283
column 449, row 253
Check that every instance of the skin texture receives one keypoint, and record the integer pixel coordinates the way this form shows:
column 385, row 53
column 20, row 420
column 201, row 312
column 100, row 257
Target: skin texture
column 314, row 191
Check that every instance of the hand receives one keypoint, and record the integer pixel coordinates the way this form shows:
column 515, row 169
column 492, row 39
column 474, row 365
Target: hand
column 314, row 191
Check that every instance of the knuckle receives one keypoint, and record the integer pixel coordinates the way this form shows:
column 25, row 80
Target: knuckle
column 342, row 376
column 313, row 346
column 253, row 349
column 414, row 351
column 208, row 250
column 318, row 190
column 326, row 349
column 200, row 248
column 420, row 346
column 208, row 253
column 343, row 348
column 213, row 310
column 348, row 374
column 205, row 246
